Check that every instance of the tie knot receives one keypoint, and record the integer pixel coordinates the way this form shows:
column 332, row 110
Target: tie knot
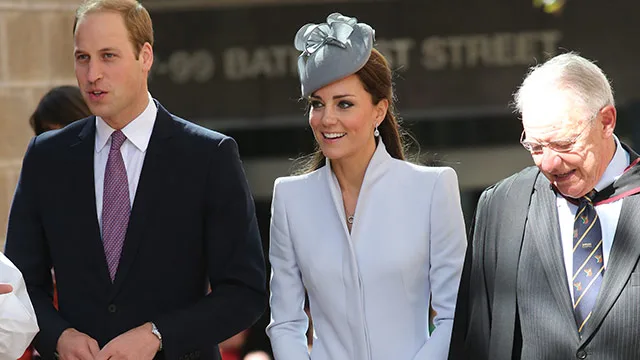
column 117, row 139
column 589, row 196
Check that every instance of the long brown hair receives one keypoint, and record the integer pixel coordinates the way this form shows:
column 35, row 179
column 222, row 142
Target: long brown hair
column 376, row 78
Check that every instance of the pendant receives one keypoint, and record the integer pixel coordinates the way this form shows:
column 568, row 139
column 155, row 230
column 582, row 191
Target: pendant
column 350, row 220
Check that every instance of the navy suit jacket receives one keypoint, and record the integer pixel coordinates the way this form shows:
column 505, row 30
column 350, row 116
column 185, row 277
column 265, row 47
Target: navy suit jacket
column 192, row 221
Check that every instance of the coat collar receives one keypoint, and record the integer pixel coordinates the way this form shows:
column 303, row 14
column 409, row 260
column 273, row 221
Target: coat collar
column 378, row 165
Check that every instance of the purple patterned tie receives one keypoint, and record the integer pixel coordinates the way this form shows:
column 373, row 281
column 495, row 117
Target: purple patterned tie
column 116, row 205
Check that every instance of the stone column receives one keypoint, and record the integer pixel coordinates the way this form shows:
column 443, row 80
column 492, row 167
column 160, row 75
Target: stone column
column 36, row 53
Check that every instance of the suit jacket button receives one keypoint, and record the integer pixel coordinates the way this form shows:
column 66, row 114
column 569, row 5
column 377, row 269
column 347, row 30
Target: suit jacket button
column 581, row 354
column 112, row 308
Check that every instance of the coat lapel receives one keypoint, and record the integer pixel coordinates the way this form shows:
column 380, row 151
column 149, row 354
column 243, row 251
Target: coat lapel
column 84, row 185
column 148, row 193
column 377, row 166
column 336, row 197
column 625, row 252
column 545, row 230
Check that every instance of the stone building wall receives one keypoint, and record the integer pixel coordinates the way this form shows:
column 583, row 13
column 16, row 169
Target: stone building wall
column 36, row 53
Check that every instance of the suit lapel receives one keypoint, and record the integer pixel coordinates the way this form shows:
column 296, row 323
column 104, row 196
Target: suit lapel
column 625, row 252
column 545, row 230
column 87, row 219
column 147, row 194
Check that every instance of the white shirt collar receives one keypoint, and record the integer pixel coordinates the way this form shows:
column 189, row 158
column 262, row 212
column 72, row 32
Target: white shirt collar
column 137, row 131
column 616, row 166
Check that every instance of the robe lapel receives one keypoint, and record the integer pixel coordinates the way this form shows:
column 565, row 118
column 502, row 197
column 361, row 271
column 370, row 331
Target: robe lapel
column 625, row 252
column 545, row 230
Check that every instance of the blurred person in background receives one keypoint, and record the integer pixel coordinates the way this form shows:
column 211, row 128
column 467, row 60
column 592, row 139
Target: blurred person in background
column 369, row 235
column 58, row 108
column 146, row 207
column 552, row 265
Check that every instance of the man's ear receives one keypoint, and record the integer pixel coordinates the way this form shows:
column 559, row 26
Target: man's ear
column 146, row 54
column 608, row 118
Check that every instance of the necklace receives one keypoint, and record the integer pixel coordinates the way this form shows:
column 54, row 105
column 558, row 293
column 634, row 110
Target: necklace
column 350, row 219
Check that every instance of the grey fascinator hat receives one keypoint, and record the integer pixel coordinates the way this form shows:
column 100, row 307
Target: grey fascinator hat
column 332, row 51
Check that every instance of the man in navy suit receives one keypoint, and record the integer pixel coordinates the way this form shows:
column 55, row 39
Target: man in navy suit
column 135, row 209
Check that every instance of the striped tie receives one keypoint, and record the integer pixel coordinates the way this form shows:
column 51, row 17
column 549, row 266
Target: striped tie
column 588, row 263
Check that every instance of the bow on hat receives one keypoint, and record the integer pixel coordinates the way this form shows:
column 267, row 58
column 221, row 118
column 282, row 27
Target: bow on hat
column 335, row 31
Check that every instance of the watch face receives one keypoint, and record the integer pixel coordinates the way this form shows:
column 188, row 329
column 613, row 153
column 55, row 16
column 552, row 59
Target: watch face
column 156, row 332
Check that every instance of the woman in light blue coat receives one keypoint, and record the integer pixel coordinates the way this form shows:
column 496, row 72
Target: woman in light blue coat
column 373, row 239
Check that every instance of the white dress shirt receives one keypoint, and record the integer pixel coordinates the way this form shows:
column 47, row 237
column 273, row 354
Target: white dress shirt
column 138, row 133
column 608, row 213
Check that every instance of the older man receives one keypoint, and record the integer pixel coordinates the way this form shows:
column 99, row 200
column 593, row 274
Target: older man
column 551, row 271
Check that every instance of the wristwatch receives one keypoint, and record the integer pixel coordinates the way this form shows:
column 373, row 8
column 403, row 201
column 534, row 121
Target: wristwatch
column 156, row 332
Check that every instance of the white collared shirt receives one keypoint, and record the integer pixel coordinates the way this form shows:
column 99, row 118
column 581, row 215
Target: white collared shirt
column 608, row 213
column 134, row 149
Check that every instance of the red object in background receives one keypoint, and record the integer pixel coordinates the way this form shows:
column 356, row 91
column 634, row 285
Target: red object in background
column 231, row 349
column 55, row 295
column 231, row 354
column 28, row 355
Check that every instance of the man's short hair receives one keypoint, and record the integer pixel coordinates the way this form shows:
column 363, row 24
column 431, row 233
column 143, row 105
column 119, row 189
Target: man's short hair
column 136, row 19
column 575, row 77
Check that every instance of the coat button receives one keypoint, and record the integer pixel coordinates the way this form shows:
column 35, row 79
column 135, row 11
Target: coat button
column 581, row 354
column 112, row 308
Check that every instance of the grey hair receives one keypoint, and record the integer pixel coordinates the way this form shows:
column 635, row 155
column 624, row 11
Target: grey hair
column 578, row 79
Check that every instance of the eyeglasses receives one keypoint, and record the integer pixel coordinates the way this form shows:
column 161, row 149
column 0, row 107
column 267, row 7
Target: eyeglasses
column 561, row 146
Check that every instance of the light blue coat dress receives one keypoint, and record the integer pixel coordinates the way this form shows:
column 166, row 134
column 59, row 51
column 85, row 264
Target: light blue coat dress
column 369, row 289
